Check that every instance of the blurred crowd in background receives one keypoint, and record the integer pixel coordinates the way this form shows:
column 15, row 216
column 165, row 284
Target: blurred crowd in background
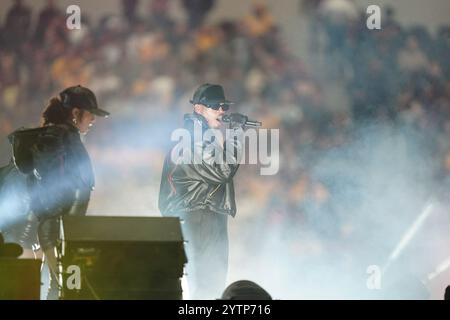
column 145, row 65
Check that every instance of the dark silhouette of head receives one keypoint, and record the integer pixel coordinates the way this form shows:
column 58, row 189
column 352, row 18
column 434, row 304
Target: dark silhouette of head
column 9, row 250
column 447, row 293
column 245, row 290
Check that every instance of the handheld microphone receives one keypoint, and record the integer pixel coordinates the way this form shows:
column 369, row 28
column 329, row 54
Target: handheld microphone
column 248, row 123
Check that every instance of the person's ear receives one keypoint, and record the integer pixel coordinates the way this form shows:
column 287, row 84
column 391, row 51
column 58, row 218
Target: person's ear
column 76, row 116
column 76, row 113
column 198, row 108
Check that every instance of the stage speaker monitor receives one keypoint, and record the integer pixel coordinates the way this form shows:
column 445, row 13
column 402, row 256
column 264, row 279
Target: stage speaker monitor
column 121, row 258
column 20, row 279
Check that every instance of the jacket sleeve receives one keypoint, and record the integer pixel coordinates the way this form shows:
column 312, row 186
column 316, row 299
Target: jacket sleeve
column 218, row 164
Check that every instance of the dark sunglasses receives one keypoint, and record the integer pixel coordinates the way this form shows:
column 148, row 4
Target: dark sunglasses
column 224, row 106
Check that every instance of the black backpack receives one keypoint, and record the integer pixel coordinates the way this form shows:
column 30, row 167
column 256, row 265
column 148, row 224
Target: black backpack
column 14, row 197
column 23, row 141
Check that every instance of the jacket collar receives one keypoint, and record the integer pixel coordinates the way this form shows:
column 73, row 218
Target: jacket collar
column 191, row 118
column 71, row 127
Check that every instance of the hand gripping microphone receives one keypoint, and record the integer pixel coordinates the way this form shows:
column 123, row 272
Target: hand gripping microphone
column 248, row 123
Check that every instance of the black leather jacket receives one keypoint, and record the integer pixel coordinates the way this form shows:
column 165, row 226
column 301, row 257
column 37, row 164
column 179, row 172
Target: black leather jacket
column 206, row 186
column 50, row 176
column 56, row 172
column 57, row 168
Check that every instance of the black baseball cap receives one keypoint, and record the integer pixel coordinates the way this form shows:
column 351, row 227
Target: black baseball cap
column 83, row 98
column 210, row 95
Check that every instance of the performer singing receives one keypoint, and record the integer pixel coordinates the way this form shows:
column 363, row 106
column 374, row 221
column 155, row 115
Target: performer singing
column 56, row 168
column 202, row 194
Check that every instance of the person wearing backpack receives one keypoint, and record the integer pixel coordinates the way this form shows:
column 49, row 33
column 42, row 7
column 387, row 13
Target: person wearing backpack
column 55, row 167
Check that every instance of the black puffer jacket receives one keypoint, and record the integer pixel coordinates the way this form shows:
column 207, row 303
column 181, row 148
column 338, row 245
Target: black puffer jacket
column 52, row 171
column 57, row 167
column 206, row 186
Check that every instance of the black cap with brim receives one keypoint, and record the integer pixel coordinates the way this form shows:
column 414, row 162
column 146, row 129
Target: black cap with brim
column 210, row 94
column 99, row 112
column 83, row 98
column 211, row 102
